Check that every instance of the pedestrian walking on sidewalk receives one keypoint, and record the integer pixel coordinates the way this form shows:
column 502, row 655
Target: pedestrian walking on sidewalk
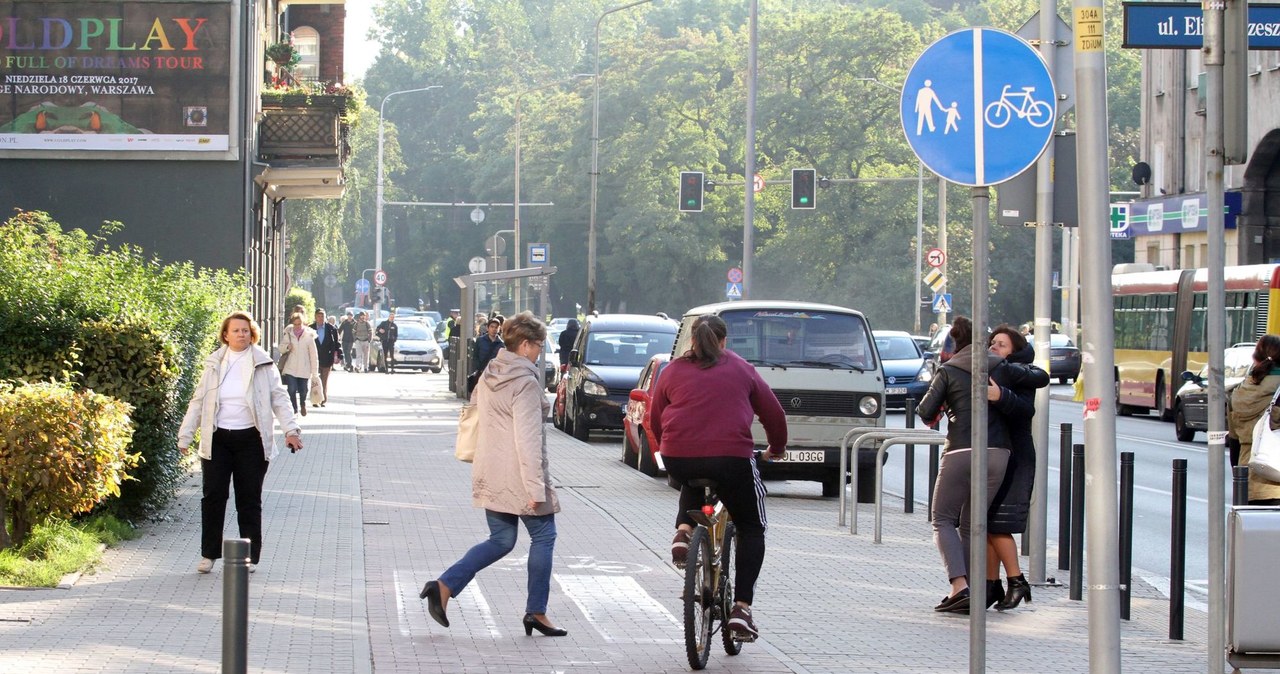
column 347, row 335
column 327, row 351
column 701, row 415
column 233, row 405
column 301, row 361
column 1015, row 395
column 1246, row 405
column 510, row 477
column 364, row 337
column 950, row 391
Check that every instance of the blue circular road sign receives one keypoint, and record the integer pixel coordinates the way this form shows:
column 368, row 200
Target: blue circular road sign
column 978, row 106
column 362, row 286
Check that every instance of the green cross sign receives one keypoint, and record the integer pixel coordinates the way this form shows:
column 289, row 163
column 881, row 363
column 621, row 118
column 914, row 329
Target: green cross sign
column 1119, row 221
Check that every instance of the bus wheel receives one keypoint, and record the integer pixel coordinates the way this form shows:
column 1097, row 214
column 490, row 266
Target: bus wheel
column 1162, row 404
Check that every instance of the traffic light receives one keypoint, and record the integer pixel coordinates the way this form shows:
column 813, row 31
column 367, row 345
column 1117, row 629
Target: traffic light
column 379, row 295
column 803, row 186
column 691, row 191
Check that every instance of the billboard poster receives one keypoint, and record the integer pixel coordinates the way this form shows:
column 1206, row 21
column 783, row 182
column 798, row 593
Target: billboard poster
column 136, row 76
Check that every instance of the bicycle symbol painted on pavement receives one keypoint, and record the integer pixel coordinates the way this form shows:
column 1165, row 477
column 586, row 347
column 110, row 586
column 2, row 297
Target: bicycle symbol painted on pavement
column 1037, row 113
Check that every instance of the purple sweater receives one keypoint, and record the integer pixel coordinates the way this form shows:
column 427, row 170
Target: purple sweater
column 699, row 413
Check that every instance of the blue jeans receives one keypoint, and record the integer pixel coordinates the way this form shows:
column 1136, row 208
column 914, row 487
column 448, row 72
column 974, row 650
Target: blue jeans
column 298, row 390
column 502, row 539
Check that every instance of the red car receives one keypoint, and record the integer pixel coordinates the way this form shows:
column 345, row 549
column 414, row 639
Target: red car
column 639, row 449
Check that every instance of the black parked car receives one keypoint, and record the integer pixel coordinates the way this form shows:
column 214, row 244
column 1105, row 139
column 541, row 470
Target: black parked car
column 603, row 368
column 1064, row 358
column 1191, row 402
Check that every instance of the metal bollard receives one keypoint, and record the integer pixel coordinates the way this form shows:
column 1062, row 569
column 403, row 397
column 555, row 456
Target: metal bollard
column 1126, row 531
column 1240, row 485
column 1077, row 522
column 235, row 606
column 1064, row 497
column 909, row 464
column 1178, row 550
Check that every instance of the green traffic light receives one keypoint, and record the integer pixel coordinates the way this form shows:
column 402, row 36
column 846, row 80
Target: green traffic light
column 804, row 200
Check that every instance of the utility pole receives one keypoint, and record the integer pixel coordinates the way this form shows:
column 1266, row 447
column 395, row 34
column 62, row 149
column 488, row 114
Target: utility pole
column 1214, row 145
column 1037, row 522
column 749, row 210
column 1098, row 341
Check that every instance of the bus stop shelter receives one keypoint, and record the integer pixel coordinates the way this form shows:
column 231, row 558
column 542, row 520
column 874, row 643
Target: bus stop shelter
column 495, row 293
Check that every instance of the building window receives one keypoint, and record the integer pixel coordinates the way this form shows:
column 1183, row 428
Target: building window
column 1153, row 253
column 307, row 42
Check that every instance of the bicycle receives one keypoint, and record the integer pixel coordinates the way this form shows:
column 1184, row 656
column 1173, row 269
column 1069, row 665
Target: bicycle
column 708, row 579
column 1037, row 113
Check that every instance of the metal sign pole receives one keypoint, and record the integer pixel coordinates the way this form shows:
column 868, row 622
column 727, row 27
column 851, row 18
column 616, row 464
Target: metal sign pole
column 1101, row 518
column 1214, row 145
column 978, row 437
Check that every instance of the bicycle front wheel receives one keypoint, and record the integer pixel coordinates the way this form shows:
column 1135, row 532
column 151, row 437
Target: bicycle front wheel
column 732, row 646
column 698, row 599
column 1040, row 114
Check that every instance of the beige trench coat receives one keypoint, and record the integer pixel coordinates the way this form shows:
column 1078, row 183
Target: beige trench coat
column 510, row 467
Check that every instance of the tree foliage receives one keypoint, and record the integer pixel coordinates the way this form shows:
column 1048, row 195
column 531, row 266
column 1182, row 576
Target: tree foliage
column 672, row 97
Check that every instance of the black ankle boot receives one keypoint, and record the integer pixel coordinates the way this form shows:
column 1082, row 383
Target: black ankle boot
column 995, row 591
column 1019, row 590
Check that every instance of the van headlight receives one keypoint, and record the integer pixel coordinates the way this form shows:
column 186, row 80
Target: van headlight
column 593, row 389
column 869, row 405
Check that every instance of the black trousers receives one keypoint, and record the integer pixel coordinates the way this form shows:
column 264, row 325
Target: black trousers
column 740, row 489
column 237, row 458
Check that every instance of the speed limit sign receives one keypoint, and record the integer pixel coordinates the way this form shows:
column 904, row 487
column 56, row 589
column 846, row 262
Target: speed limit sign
column 380, row 277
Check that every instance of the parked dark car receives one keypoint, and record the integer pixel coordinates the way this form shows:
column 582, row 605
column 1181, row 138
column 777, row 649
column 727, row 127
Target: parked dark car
column 639, row 448
column 1191, row 402
column 605, row 364
column 1064, row 358
column 907, row 371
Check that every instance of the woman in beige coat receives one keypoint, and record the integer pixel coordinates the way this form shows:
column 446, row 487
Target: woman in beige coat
column 509, row 478
column 303, row 362
column 1246, row 405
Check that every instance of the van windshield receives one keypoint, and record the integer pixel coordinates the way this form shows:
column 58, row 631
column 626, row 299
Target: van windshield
column 783, row 338
column 626, row 347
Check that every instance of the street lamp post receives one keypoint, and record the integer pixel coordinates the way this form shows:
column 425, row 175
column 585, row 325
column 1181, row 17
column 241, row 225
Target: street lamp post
column 915, row 293
column 377, row 237
column 595, row 160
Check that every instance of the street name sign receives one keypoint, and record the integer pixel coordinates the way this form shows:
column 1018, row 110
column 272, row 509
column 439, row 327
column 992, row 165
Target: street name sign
column 1180, row 25
column 978, row 106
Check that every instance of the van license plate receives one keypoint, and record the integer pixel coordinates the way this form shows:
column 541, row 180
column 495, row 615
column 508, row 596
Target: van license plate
column 804, row 456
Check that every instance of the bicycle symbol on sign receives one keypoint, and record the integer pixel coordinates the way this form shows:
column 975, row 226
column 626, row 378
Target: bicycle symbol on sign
column 1038, row 113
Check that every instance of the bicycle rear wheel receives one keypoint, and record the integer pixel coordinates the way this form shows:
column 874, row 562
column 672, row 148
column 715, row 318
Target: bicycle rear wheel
column 698, row 599
column 732, row 646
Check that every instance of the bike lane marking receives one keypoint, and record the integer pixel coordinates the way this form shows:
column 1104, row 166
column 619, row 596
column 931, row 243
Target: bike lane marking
column 639, row 618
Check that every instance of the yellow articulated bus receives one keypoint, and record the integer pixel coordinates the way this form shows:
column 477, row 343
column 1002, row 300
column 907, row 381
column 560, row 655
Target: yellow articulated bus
column 1160, row 324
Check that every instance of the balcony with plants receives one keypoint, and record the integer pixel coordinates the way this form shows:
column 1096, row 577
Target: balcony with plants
column 302, row 129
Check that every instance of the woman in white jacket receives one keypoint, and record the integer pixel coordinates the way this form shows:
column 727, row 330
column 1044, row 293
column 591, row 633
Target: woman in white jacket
column 510, row 477
column 232, row 407
column 302, row 363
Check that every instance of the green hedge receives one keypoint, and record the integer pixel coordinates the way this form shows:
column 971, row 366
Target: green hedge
column 111, row 319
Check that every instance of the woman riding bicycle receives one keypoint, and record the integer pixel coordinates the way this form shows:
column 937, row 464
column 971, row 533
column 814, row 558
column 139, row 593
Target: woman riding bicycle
column 701, row 415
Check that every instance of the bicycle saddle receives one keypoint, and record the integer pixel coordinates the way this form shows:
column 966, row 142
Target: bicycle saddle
column 702, row 482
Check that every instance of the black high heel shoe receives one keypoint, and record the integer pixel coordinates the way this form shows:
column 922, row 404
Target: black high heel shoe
column 531, row 623
column 1019, row 589
column 995, row 592
column 431, row 592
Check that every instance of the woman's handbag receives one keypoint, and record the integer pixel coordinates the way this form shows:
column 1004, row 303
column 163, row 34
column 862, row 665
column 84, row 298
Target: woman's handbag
column 316, row 394
column 468, row 433
column 284, row 358
column 1264, row 458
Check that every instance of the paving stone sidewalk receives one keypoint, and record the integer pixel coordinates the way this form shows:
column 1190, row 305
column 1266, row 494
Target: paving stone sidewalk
column 376, row 504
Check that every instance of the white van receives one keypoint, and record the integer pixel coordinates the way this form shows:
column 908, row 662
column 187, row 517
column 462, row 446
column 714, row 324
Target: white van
column 821, row 362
